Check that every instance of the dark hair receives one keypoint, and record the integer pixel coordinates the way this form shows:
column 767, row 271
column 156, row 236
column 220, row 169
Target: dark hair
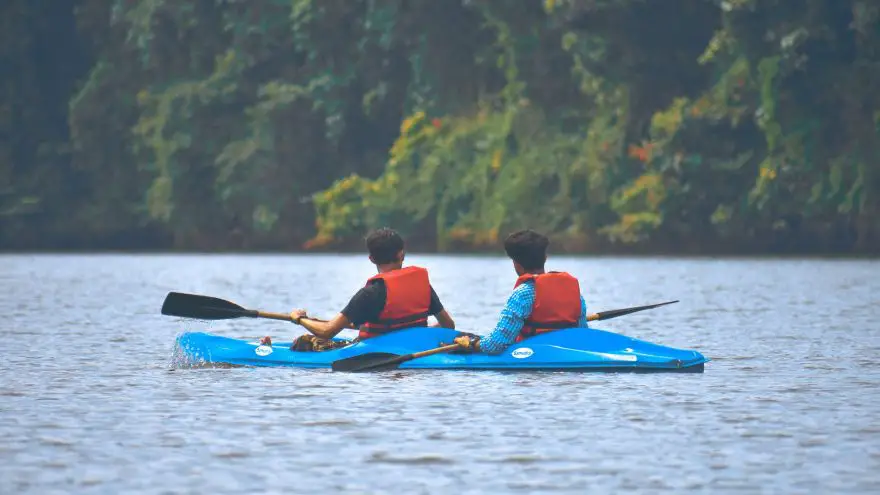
column 383, row 245
column 528, row 248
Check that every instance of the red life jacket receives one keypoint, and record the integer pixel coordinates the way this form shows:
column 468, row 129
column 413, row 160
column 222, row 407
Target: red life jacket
column 407, row 301
column 557, row 303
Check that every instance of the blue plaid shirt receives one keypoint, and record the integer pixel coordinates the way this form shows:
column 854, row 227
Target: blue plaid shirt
column 515, row 313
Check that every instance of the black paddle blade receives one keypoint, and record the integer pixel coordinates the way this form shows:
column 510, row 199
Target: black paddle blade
column 614, row 313
column 371, row 361
column 202, row 307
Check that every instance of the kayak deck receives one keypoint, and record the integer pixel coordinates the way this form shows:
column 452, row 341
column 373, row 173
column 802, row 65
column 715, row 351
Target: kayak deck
column 584, row 349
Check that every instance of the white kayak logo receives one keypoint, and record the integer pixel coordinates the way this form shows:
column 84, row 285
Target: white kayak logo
column 263, row 350
column 522, row 353
column 617, row 357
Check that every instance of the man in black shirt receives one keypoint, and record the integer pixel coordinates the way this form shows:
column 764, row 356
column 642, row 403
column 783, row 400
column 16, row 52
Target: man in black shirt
column 369, row 301
column 395, row 298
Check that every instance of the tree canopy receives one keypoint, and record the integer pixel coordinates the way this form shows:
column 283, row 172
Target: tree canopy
column 637, row 125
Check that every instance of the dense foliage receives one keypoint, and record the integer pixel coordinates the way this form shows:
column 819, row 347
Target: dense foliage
column 679, row 125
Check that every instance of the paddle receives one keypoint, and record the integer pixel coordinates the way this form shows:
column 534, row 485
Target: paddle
column 614, row 313
column 211, row 308
column 381, row 361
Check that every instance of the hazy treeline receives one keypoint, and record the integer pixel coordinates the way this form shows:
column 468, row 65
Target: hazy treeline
column 636, row 125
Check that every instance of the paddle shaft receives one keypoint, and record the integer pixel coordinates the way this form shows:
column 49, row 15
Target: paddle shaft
column 375, row 361
column 410, row 357
column 431, row 352
column 273, row 316
column 614, row 313
column 253, row 313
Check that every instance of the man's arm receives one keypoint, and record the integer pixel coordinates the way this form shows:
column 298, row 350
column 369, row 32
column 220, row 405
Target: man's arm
column 322, row 329
column 360, row 305
column 513, row 316
column 444, row 320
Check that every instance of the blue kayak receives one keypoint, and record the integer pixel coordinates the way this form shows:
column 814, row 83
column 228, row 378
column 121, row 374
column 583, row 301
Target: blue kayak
column 584, row 349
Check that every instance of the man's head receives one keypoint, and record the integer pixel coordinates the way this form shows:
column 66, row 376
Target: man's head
column 385, row 246
column 528, row 250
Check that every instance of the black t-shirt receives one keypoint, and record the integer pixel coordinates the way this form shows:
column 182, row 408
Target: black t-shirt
column 368, row 303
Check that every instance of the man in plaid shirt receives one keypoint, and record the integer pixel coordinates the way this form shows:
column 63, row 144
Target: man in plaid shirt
column 541, row 301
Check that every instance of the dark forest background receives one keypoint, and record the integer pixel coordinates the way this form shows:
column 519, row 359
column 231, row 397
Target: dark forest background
column 680, row 126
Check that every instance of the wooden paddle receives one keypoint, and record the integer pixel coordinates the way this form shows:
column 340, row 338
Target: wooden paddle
column 211, row 308
column 379, row 361
column 382, row 361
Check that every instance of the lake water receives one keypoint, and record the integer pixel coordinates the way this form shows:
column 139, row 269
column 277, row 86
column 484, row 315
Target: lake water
column 89, row 402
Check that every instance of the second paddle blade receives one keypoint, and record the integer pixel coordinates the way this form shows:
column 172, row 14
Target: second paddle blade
column 371, row 361
column 201, row 307
column 614, row 313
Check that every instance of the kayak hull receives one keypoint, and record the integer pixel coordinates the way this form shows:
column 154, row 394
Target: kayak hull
column 569, row 349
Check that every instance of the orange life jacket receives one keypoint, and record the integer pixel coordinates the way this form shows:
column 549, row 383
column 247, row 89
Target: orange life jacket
column 407, row 301
column 557, row 303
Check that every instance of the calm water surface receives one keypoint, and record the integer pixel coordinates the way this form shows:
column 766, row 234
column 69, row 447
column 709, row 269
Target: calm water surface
column 89, row 402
